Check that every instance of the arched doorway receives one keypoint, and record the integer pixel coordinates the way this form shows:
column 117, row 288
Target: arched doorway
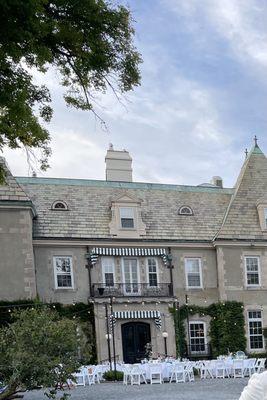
column 135, row 336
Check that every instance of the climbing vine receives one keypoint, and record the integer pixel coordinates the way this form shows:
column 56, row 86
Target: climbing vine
column 227, row 332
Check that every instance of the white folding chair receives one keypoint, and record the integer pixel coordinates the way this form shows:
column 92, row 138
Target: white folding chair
column 206, row 370
column 155, row 373
column 249, row 367
column 238, row 368
column 178, row 373
column 79, row 378
column 260, row 365
column 89, row 374
column 189, row 372
column 127, row 374
column 220, row 370
column 137, row 375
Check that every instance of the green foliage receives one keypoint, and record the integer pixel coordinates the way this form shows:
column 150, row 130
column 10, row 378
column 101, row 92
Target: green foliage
column 89, row 43
column 112, row 376
column 82, row 313
column 38, row 349
column 227, row 332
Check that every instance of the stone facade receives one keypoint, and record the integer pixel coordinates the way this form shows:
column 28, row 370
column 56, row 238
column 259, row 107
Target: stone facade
column 126, row 243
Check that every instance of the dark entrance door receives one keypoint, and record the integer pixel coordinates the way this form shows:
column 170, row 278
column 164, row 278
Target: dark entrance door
column 135, row 335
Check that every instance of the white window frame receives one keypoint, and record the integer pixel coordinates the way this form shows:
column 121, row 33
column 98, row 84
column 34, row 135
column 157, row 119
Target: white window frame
column 259, row 349
column 196, row 337
column 103, row 260
column 138, row 276
column 56, row 274
column 157, row 271
column 249, row 285
column 133, row 218
column 200, row 272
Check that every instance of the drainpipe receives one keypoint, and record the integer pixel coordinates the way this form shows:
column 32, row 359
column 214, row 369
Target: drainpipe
column 170, row 266
column 88, row 267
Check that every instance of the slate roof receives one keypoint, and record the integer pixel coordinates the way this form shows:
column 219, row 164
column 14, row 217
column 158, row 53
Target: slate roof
column 89, row 212
column 11, row 190
column 242, row 220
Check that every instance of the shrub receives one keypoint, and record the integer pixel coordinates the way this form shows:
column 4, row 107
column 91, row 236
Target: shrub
column 111, row 376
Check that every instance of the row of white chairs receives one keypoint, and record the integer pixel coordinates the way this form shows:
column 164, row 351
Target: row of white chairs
column 134, row 375
column 238, row 368
column 88, row 375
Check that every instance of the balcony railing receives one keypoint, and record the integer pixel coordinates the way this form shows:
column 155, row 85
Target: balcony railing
column 132, row 290
column 199, row 350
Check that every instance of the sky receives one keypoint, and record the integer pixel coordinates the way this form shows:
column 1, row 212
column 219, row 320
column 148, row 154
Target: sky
column 202, row 99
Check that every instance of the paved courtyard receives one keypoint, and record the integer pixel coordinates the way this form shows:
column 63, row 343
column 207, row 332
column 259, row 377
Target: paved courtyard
column 227, row 389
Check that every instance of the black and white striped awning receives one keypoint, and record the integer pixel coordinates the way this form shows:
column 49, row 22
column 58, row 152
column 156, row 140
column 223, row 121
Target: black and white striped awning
column 155, row 315
column 127, row 252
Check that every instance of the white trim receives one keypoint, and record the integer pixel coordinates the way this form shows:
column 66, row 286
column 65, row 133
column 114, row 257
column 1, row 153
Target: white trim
column 138, row 275
column 195, row 337
column 200, row 272
column 133, row 217
column 147, row 271
column 255, row 319
column 113, row 268
column 56, row 274
column 246, row 272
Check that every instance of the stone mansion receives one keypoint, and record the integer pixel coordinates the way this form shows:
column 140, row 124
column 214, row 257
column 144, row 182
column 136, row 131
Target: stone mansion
column 141, row 245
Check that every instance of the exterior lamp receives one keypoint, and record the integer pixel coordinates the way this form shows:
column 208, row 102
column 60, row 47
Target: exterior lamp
column 108, row 336
column 165, row 335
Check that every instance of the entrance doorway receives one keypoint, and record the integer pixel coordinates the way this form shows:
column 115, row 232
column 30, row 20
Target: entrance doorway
column 135, row 336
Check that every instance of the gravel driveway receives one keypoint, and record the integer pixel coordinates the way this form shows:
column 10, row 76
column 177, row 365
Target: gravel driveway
column 217, row 389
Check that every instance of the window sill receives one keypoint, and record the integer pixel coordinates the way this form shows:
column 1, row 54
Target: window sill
column 194, row 288
column 67, row 289
column 253, row 287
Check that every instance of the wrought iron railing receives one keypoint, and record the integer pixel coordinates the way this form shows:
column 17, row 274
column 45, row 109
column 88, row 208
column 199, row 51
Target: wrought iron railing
column 131, row 289
column 198, row 350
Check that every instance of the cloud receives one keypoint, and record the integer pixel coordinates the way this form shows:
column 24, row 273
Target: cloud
column 241, row 23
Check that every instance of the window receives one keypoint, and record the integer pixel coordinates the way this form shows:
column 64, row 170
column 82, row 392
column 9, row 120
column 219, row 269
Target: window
column 197, row 337
column 59, row 205
column 193, row 272
column 185, row 210
column 265, row 217
column 255, row 330
column 252, row 271
column 63, row 272
column 152, row 272
column 127, row 217
column 108, row 271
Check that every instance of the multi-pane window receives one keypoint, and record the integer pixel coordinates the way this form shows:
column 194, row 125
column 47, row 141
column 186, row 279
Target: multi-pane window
column 63, row 272
column 127, row 217
column 197, row 337
column 252, row 271
column 152, row 272
column 193, row 272
column 108, row 271
column 255, row 330
column 265, row 217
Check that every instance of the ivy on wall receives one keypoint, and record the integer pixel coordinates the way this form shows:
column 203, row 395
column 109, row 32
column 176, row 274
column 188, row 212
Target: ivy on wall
column 227, row 326
column 83, row 313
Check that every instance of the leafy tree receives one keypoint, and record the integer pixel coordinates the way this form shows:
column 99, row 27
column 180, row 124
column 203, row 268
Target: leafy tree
column 38, row 349
column 88, row 42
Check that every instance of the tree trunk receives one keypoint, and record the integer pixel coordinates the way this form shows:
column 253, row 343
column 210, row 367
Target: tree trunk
column 10, row 392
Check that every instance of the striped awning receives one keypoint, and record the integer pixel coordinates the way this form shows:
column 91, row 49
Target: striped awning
column 127, row 252
column 155, row 315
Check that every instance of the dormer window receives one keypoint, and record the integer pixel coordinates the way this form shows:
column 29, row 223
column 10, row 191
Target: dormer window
column 127, row 217
column 59, row 205
column 185, row 210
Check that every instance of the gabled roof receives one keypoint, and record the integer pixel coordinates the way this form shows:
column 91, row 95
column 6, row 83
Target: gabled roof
column 10, row 190
column 241, row 220
column 89, row 211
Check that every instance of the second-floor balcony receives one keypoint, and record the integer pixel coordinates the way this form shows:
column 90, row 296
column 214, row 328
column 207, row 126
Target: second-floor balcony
column 132, row 289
